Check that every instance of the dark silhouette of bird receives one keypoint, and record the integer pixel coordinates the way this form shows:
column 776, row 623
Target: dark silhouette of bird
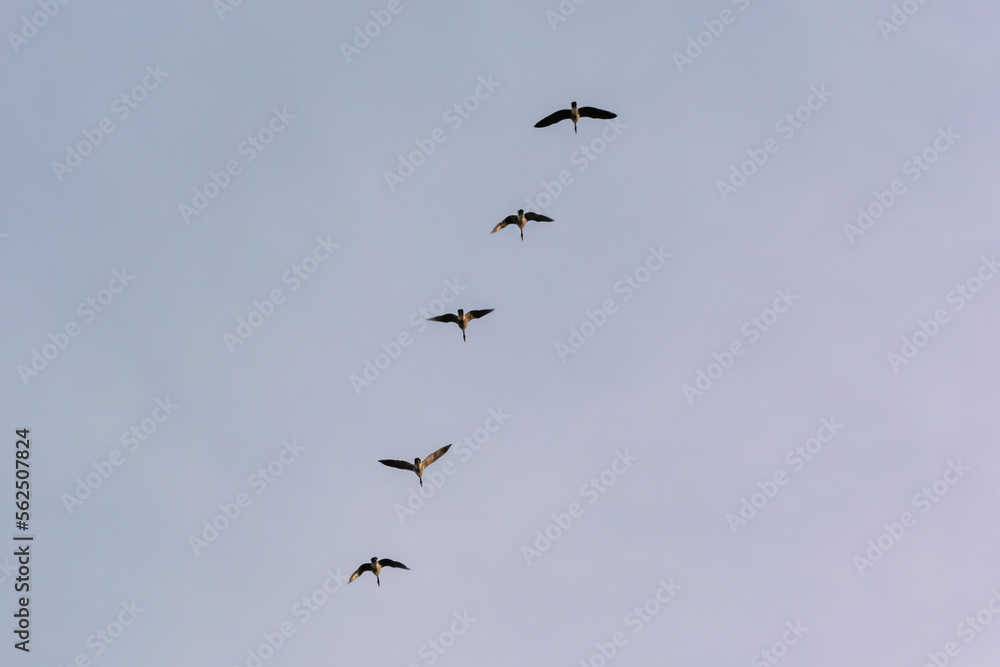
column 521, row 219
column 575, row 114
column 417, row 466
column 375, row 567
column 462, row 319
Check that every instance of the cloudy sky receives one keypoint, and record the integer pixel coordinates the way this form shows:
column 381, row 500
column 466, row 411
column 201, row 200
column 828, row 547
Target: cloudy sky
column 735, row 405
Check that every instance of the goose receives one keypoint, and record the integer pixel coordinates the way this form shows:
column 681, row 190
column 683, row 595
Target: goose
column 575, row 114
column 375, row 567
column 521, row 219
column 462, row 319
column 417, row 466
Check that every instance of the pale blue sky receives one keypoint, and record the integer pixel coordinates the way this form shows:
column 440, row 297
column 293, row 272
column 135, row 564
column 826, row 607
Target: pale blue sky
column 299, row 219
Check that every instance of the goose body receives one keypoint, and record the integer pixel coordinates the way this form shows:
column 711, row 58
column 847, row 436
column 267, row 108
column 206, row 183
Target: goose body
column 417, row 466
column 375, row 567
column 575, row 113
column 521, row 219
column 462, row 319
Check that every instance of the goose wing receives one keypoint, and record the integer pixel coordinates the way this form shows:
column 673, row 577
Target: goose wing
column 367, row 567
column 509, row 220
column 562, row 114
column 435, row 456
column 594, row 112
column 402, row 465
column 447, row 317
column 474, row 314
column 386, row 562
column 530, row 215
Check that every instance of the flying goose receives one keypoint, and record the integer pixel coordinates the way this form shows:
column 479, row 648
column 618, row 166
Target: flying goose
column 462, row 319
column 375, row 567
column 417, row 466
column 575, row 114
column 521, row 219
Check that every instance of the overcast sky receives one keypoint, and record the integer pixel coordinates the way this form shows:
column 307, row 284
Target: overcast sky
column 738, row 397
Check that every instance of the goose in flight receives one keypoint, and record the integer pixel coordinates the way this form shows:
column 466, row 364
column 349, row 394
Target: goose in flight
column 417, row 466
column 375, row 567
column 521, row 219
column 575, row 114
column 462, row 319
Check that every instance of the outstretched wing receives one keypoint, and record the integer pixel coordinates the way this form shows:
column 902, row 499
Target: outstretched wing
column 562, row 114
column 474, row 314
column 367, row 567
column 435, row 456
column 509, row 220
column 385, row 562
column 594, row 112
column 537, row 216
column 447, row 317
column 392, row 463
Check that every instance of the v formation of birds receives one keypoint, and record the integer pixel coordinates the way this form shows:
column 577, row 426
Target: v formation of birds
column 462, row 319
